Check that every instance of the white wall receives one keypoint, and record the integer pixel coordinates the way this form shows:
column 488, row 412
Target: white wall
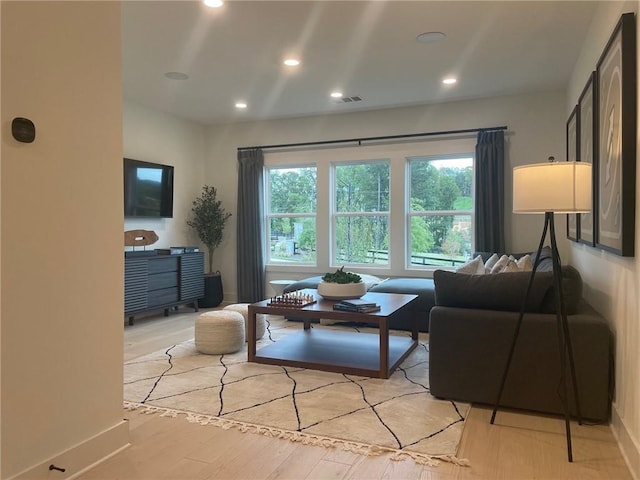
column 61, row 245
column 152, row 136
column 536, row 130
column 612, row 282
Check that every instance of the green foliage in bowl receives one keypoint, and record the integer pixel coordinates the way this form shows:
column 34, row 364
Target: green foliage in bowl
column 342, row 277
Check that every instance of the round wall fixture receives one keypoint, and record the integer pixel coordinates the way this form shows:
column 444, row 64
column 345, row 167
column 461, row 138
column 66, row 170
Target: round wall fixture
column 176, row 76
column 23, row 130
column 430, row 37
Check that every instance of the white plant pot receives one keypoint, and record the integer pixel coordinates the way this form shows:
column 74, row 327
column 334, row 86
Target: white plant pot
column 341, row 291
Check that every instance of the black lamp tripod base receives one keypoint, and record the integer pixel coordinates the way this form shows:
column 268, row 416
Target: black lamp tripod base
column 564, row 339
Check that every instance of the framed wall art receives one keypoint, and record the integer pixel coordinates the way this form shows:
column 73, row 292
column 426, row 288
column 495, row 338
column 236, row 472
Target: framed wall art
column 573, row 152
column 588, row 135
column 616, row 162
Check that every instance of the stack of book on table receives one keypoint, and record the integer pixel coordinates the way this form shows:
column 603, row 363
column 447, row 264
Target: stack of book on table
column 357, row 305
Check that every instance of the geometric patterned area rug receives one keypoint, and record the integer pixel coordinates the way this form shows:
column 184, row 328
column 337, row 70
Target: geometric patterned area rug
column 366, row 415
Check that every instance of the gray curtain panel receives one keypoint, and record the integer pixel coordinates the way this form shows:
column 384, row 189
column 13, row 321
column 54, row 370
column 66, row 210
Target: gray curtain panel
column 490, row 191
column 251, row 271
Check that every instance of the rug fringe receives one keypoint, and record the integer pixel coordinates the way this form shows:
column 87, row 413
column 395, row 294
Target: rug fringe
column 298, row 437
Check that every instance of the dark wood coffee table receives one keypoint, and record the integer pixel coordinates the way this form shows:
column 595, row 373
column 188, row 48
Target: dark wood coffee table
column 336, row 350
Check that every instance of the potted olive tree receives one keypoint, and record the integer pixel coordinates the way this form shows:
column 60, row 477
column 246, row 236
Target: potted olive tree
column 208, row 219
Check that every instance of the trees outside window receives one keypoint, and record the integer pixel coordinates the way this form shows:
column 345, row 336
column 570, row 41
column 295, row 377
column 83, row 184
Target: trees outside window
column 383, row 209
column 361, row 213
column 291, row 214
column 441, row 212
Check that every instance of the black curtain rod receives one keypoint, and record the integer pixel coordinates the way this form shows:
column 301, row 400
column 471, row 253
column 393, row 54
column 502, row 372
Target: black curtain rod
column 370, row 139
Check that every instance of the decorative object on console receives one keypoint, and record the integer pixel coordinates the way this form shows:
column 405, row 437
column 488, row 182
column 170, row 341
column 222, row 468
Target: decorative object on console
column 563, row 187
column 176, row 250
column 341, row 285
column 208, row 219
column 170, row 251
column 139, row 238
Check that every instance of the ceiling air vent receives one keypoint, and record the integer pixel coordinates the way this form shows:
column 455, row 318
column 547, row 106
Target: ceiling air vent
column 348, row 99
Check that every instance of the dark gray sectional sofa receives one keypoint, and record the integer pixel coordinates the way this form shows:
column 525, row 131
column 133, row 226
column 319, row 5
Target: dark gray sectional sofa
column 471, row 321
column 471, row 331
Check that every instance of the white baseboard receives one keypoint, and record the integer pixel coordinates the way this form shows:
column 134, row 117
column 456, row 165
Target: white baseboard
column 629, row 447
column 83, row 456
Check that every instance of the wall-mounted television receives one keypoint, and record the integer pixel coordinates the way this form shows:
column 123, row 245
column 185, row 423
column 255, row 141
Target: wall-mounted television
column 148, row 189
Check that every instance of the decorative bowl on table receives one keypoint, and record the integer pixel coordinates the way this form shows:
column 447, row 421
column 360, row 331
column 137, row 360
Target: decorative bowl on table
column 341, row 285
column 341, row 291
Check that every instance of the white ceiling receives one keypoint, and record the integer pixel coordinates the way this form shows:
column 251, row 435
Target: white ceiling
column 365, row 48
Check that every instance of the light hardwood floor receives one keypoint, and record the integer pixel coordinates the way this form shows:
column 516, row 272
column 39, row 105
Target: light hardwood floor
column 518, row 446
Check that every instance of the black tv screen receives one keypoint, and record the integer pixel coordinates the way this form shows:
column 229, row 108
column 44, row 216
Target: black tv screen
column 148, row 189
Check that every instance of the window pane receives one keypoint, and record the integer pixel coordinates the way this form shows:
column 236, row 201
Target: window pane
column 293, row 239
column 441, row 184
column 362, row 188
column 362, row 239
column 440, row 240
column 292, row 190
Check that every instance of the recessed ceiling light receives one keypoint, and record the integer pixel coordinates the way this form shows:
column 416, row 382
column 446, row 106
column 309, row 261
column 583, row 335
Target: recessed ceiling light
column 213, row 3
column 292, row 62
column 176, row 75
column 449, row 81
column 430, row 37
column 336, row 94
column 241, row 105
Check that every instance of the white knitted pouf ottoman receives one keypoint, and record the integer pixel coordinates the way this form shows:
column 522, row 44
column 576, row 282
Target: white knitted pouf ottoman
column 243, row 309
column 219, row 331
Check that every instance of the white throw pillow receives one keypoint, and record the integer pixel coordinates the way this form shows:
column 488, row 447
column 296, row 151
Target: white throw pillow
column 511, row 266
column 525, row 264
column 500, row 264
column 491, row 261
column 472, row 267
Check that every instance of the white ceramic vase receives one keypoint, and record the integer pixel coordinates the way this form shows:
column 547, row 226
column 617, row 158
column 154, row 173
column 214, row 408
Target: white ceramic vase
column 341, row 291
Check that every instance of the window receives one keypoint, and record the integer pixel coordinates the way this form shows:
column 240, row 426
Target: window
column 361, row 213
column 385, row 210
column 441, row 204
column 291, row 201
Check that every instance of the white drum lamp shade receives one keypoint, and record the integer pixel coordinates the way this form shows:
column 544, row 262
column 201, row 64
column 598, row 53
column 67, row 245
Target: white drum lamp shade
column 559, row 187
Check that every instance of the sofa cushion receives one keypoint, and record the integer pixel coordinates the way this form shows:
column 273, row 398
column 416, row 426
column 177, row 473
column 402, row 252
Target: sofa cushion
column 524, row 263
column 511, row 266
column 423, row 287
column 500, row 265
column 571, row 291
column 546, row 264
column 490, row 261
column 491, row 292
column 311, row 282
column 474, row 266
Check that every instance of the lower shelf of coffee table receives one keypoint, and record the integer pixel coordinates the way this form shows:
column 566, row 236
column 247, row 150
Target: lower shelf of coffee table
column 336, row 351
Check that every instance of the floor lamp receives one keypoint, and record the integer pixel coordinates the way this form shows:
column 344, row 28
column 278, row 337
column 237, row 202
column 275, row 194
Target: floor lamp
column 553, row 187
